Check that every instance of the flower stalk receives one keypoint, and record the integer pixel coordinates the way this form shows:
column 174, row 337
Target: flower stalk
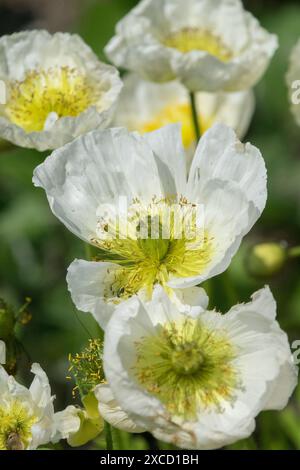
column 108, row 436
column 195, row 115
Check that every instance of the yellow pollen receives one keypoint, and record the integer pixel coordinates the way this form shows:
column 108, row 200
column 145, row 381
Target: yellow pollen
column 188, row 366
column 178, row 112
column 191, row 39
column 15, row 426
column 145, row 262
column 86, row 367
column 60, row 90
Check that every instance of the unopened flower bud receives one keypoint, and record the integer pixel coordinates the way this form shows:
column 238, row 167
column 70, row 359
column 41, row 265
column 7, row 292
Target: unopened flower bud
column 266, row 259
column 91, row 423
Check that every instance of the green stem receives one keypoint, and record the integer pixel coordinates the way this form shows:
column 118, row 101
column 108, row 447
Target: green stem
column 88, row 251
column 195, row 115
column 294, row 252
column 229, row 289
column 108, row 436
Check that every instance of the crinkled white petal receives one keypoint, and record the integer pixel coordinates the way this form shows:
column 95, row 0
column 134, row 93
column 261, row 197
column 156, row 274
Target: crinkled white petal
column 2, row 352
column 147, row 57
column 228, row 216
column 119, row 329
column 94, row 170
column 19, row 391
column 200, row 71
column 112, row 412
column 140, row 38
column 67, row 422
column 262, row 301
column 39, row 50
column 220, row 155
column 63, row 130
column 190, row 300
column 279, row 392
column 261, row 349
column 168, row 151
column 88, row 283
column 44, row 430
column 233, row 109
column 102, row 165
column 40, row 388
column 29, row 50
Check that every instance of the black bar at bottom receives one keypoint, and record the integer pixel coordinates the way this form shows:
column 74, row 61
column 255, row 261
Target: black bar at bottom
column 133, row 459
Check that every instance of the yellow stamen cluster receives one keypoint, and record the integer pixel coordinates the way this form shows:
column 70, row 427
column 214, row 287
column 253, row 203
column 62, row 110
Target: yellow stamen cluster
column 87, row 367
column 194, row 39
column 60, row 90
column 15, row 426
column 188, row 367
column 177, row 112
column 146, row 260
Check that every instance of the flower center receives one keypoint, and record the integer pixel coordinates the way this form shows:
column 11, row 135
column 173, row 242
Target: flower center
column 186, row 359
column 188, row 367
column 160, row 242
column 191, row 39
column 15, row 426
column 46, row 95
column 177, row 112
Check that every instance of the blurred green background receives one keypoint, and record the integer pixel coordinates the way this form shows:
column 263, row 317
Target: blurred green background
column 35, row 249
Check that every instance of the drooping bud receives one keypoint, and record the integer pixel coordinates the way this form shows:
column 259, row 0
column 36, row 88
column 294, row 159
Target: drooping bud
column 266, row 259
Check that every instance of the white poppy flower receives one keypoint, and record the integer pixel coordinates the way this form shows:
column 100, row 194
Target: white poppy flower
column 2, row 352
column 112, row 413
column 146, row 106
column 209, row 45
column 199, row 382
column 56, row 89
column 293, row 81
column 85, row 180
column 26, row 415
